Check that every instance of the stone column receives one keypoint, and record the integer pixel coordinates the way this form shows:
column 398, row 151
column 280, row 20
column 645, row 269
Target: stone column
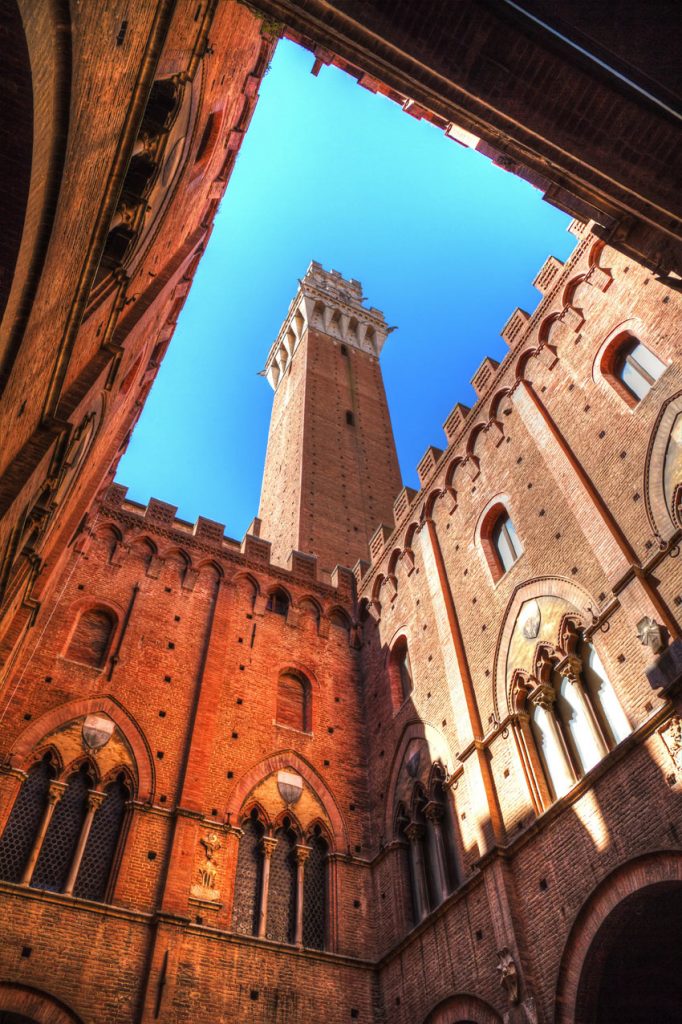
column 95, row 801
column 570, row 668
column 434, row 816
column 268, row 844
column 544, row 697
column 302, row 854
column 415, row 835
column 54, row 794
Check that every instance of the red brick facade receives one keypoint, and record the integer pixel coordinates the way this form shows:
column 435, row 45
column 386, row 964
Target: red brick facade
column 201, row 653
column 438, row 785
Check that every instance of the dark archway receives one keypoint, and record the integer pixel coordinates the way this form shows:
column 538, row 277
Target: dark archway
column 631, row 972
column 15, row 1018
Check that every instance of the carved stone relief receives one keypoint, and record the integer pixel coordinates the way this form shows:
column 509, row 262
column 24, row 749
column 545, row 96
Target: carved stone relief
column 205, row 888
column 671, row 734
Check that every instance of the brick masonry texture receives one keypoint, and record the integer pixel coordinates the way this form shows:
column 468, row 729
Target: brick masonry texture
column 191, row 667
column 194, row 663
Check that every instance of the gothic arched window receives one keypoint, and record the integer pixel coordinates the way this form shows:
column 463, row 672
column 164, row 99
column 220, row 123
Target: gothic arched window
column 91, row 638
column 293, row 701
column 98, row 858
column 24, row 821
column 278, row 602
column 428, row 830
column 499, row 540
column 281, row 884
column 281, row 924
column 63, row 835
column 315, row 893
column 637, row 367
column 247, row 892
column 574, row 716
column 56, row 853
column 400, row 671
column 505, row 541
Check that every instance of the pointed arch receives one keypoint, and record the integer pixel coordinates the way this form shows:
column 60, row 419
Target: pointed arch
column 176, row 554
column 255, row 809
column 430, row 502
column 438, row 751
column 522, row 362
column 339, row 617
column 473, row 436
column 144, row 541
column 323, row 826
column 243, row 576
column 659, row 507
column 290, row 759
column 542, row 586
column 396, row 555
column 495, row 410
column 452, row 469
column 547, row 326
column 212, row 566
column 287, row 814
column 29, row 739
column 107, row 526
column 77, row 764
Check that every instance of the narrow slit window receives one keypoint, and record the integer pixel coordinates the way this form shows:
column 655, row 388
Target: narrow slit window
column 506, row 542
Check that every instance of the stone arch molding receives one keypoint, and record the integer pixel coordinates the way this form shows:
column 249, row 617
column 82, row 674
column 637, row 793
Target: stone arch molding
column 31, row 737
column 632, row 877
column 39, row 1006
column 546, row 586
column 463, row 1007
column 438, row 750
column 659, row 512
column 289, row 759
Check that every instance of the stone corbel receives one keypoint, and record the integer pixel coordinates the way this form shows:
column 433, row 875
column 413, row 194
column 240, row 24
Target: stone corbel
column 547, row 355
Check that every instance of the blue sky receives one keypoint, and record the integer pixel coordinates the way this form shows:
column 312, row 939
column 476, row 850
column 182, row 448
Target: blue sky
column 443, row 242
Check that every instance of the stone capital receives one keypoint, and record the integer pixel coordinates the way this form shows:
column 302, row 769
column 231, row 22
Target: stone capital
column 267, row 845
column 414, row 831
column 544, row 696
column 570, row 667
column 55, row 792
column 302, row 853
column 434, row 811
column 95, row 799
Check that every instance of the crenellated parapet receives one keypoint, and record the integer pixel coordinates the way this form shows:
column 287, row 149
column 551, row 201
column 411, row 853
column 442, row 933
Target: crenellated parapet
column 333, row 304
column 530, row 336
column 205, row 540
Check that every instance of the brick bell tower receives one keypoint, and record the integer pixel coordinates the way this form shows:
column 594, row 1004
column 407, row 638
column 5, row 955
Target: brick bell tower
column 331, row 468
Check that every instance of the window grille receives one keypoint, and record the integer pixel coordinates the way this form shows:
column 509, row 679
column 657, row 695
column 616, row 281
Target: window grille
column 56, row 854
column 98, row 855
column 314, row 895
column 249, row 879
column 282, row 893
column 24, row 822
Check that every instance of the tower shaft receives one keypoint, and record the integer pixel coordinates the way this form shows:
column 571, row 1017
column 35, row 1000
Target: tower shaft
column 331, row 469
